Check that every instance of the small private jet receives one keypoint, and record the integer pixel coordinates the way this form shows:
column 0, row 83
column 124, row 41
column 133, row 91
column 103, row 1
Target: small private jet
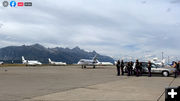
column 158, row 61
column 88, row 62
column 94, row 62
column 56, row 63
column 30, row 62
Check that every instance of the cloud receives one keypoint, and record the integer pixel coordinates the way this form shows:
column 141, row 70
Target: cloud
column 175, row 1
column 112, row 27
column 1, row 25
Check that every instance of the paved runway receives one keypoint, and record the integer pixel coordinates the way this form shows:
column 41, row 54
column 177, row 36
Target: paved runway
column 74, row 83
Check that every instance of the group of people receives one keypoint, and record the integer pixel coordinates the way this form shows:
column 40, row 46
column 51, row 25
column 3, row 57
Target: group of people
column 129, row 67
column 138, row 68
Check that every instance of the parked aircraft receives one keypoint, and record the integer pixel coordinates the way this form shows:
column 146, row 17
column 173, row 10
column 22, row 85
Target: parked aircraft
column 1, row 63
column 88, row 62
column 30, row 62
column 158, row 62
column 94, row 62
column 56, row 63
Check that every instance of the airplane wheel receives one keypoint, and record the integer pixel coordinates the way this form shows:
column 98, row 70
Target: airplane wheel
column 84, row 66
column 94, row 67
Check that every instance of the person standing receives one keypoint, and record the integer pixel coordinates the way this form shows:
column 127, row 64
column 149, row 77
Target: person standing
column 131, row 68
column 122, row 67
column 118, row 68
column 175, row 66
column 178, row 67
column 128, row 68
column 149, row 68
column 137, row 67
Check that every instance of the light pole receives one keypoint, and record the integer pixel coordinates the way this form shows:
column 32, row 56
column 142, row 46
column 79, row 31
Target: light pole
column 162, row 55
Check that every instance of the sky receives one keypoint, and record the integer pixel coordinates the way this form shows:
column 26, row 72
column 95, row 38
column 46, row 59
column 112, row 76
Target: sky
column 117, row 28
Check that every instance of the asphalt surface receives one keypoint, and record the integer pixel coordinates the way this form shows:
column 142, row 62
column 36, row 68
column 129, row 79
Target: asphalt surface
column 74, row 83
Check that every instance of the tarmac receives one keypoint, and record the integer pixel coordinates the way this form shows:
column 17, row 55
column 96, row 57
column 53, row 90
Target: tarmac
column 71, row 83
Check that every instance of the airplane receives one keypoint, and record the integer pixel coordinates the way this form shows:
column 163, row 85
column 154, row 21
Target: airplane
column 88, row 62
column 56, row 63
column 30, row 62
column 158, row 62
column 1, row 63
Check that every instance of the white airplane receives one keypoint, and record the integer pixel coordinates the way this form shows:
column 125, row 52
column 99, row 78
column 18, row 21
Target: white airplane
column 56, row 63
column 30, row 62
column 88, row 62
column 158, row 62
column 94, row 62
column 1, row 62
column 106, row 63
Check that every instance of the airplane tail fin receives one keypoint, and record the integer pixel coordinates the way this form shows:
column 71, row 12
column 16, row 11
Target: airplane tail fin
column 95, row 57
column 49, row 60
column 23, row 59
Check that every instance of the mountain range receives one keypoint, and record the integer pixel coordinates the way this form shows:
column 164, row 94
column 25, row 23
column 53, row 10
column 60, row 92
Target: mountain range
column 38, row 52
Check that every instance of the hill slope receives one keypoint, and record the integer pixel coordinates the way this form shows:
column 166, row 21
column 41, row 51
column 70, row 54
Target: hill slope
column 41, row 53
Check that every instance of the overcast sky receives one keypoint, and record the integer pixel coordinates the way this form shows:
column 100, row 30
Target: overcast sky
column 112, row 27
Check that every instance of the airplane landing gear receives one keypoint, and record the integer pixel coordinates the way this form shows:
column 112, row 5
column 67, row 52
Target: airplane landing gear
column 83, row 66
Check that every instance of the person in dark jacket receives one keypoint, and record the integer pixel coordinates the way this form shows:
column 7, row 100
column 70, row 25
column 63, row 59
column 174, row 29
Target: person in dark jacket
column 176, row 69
column 128, row 66
column 131, row 68
column 122, row 67
column 137, row 67
column 118, row 68
column 149, row 68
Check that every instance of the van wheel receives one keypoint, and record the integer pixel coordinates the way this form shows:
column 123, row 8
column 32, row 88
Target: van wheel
column 165, row 73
